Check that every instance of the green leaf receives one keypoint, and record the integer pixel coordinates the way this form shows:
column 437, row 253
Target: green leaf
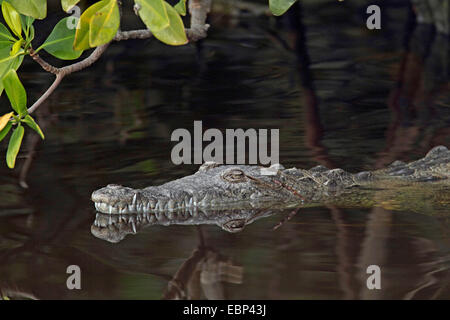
column 181, row 7
column 174, row 34
column 30, row 36
column 5, row 131
column 5, row 34
column 6, row 44
column 104, row 23
column 82, row 31
column 16, row 92
column 4, row 120
column 27, row 23
column 278, row 7
column 60, row 42
column 34, row 8
column 14, row 146
column 16, row 47
column 154, row 14
column 33, row 125
column 68, row 4
column 82, row 34
column 7, row 63
column 12, row 18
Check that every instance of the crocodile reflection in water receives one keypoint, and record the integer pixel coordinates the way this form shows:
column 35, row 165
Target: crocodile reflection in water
column 114, row 228
column 206, row 272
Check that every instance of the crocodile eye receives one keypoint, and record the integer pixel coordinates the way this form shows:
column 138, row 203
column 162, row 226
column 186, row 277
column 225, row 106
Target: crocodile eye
column 234, row 175
column 234, row 226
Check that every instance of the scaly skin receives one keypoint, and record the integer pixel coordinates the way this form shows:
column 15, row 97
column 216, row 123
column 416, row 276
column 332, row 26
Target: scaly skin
column 234, row 196
column 218, row 187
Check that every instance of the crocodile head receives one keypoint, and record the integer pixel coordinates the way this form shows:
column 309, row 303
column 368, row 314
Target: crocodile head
column 213, row 186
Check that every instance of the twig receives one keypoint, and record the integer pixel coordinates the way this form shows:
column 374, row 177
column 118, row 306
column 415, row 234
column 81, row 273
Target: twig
column 94, row 56
column 44, row 64
column 62, row 72
column 198, row 9
column 133, row 34
column 47, row 93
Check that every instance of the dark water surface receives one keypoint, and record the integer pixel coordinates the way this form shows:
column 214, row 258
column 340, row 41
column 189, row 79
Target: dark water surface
column 341, row 95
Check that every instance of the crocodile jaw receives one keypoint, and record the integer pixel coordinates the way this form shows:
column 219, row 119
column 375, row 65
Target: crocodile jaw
column 212, row 187
column 217, row 186
column 115, row 199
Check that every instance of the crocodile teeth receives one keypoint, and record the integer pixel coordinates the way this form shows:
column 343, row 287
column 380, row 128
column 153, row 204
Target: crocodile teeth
column 131, row 221
column 205, row 200
column 110, row 209
column 190, row 202
column 171, row 204
column 134, row 199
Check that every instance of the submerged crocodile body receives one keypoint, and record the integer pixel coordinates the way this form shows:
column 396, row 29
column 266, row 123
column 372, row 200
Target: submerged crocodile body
column 241, row 187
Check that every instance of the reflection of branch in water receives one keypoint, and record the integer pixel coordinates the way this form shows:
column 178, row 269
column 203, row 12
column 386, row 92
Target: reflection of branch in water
column 374, row 250
column 427, row 272
column 203, row 275
column 312, row 121
column 120, row 108
column 430, row 270
column 32, row 143
column 345, row 248
column 427, row 275
column 416, row 92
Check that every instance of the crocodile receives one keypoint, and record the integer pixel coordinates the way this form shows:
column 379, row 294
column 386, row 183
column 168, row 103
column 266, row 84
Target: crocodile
column 216, row 188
